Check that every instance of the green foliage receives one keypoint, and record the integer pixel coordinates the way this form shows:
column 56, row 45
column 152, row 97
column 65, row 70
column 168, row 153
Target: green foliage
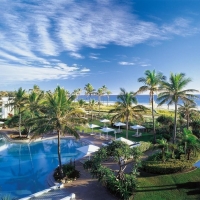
column 165, row 120
column 169, row 167
column 120, row 184
column 144, row 146
column 69, row 172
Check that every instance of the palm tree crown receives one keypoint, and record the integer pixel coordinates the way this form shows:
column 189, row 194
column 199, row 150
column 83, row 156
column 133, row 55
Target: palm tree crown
column 89, row 90
column 173, row 92
column 125, row 109
column 151, row 83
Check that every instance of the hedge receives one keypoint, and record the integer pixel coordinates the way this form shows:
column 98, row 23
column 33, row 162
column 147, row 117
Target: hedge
column 168, row 167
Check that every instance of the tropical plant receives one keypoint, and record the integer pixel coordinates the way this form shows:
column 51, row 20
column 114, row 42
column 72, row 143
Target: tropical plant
column 173, row 92
column 108, row 95
column 191, row 142
column 99, row 93
column 186, row 109
column 34, row 102
column 151, row 83
column 124, row 109
column 59, row 116
column 91, row 106
column 77, row 92
column 162, row 144
column 89, row 90
column 18, row 103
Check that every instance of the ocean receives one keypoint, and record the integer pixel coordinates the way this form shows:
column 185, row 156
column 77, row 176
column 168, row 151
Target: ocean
column 141, row 99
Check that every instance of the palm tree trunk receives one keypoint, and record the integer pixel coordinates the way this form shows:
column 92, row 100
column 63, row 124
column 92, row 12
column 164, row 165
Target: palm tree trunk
column 20, row 119
column 59, row 156
column 175, row 123
column 152, row 111
column 188, row 121
column 126, row 127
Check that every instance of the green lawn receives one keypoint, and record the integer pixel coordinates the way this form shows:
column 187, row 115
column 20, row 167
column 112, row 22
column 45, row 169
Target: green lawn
column 169, row 187
column 145, row 136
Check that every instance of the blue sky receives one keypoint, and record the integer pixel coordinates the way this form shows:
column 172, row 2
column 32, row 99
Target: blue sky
column 104, row 42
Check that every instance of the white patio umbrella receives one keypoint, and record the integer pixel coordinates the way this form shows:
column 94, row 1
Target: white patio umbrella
column 92, row 126
column 1, row 122
column 106, row 130
column 104, row 121
column 88, row 149
column 137, row 127
column 129, row 142
column 119, row 124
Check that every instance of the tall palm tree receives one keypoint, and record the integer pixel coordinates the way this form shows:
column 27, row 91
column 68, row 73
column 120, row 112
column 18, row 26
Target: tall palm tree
column 151, row 83
column 18, row 102
column 58, row 114
column 187, row 108
column 91, row 106
column 99, row 93
column 77, row 92
column 124, row 109
column 173, row 92
column 34, row 102
column 108, row 95
column 89, row 90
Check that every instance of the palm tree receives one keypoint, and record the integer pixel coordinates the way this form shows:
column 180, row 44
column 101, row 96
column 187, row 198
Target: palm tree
column 124, row 109
column 91, row 106
column 77, row 92
column 58, row 115
column 89, row 90
column 173, row 92
column 151, row 83
column 18, row 103
column 99, row 93
column 108, row 95
column 34, row 101
column 163, row 145
column 191, row 142
column 186, row 109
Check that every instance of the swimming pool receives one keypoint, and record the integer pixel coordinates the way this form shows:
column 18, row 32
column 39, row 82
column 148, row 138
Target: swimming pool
column 24, row 167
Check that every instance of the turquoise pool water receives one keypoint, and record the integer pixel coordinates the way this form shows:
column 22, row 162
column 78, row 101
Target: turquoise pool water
column 24, row 167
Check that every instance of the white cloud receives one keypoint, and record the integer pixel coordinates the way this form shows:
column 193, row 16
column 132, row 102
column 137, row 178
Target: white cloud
column 76, row 55
column 15, row 73
column 33, row 33
column 126, row 63
column 85, row 70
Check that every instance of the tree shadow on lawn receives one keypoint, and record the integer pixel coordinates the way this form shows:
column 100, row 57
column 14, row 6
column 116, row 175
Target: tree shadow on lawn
column 193, row 187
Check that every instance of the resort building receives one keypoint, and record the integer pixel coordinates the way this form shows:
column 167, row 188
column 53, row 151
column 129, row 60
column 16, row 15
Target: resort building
column 5, row 110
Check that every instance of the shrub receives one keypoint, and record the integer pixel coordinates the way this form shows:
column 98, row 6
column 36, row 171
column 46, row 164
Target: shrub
column 168, row 167
column 144, row 146
column 69, row 172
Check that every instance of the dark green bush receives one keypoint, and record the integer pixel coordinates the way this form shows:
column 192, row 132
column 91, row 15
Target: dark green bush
column 168, row 167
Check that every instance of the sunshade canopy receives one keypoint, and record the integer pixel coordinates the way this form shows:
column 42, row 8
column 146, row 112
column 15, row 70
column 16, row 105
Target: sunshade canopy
column 129, row 142
column 92, row 126
column 106, row 129
column 1, row 122
column 137, row 127
column 105, row 120
column 119, row 124
column 88, row 149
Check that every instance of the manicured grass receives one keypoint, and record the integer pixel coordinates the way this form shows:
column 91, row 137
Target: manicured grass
column 169, row 187
column 146, row 137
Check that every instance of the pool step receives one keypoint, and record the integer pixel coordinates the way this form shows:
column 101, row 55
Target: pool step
column 50, row 180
